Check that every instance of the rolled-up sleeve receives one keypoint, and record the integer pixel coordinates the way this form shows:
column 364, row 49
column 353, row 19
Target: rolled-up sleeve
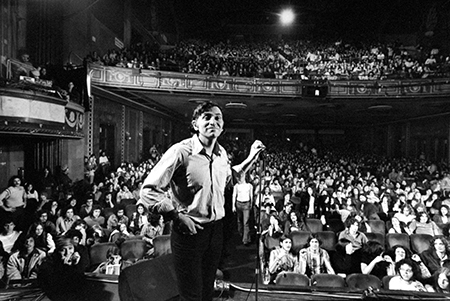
column 153, row 189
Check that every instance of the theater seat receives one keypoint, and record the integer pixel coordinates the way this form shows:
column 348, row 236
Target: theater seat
column 328, row 239
column 129, row 210
column 327, row 280
column 377, row 226
column 133, row 249
column 126, row 202
column 378, row 237
column 385, row 281
column 363, row 281
column 420, row 242
column 162, row 246
column 393, row 239
column 97, row 253
column 271, row 243
column 314, row 225
column 107, row 212
column 153, row 280
column 299, row 240
column 335, row 225
column 292, row 279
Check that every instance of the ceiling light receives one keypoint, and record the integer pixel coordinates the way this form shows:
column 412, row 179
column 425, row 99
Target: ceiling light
column 197, row 100
column 236, row 105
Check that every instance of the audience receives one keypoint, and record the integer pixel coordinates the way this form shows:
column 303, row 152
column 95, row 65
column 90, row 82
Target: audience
column 326, row 185
column 24, row 264
column 298, row 59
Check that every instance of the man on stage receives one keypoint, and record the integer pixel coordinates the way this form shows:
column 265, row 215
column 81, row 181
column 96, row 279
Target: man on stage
column 197, row 170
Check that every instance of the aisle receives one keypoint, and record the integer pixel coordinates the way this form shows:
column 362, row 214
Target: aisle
column 240, row 261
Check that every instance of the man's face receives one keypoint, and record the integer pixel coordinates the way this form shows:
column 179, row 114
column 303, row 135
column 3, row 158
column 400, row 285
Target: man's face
column 43, row 218
column 209, row 124
column 29, row 244
column 9, row 227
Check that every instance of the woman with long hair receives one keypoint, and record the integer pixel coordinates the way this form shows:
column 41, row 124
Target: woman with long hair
column 424, row 225
column 42, row 240
column 398, row 227
column 138, row 219
column 440, row 281
column 442, row 219
column 294, row 223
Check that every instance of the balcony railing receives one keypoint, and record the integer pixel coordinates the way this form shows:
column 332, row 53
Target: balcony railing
column 184, row 82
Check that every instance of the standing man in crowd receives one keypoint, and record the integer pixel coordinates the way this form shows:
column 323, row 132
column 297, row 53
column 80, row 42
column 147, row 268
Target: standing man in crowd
column 197, row 170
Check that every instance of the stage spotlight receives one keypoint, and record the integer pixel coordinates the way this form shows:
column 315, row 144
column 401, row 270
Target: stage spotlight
column 287, row 17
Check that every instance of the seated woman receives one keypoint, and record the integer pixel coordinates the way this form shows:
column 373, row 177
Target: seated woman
column 272, row 228
column 398, row 227
column 138, row 219
column 294, row 223
column 95, row 218
column 281, row 258
column 436, row 254
column 442, row 219
column 313, row 259
column 423, row 225
column 406, row 215
column 440, row 281
column 43, row 240
column 405, row 280
column 24, row 263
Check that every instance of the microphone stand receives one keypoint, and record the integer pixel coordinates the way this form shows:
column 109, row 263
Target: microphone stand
column 258, row 231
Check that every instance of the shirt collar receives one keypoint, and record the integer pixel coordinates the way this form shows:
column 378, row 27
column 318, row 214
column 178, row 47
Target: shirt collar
column 197, row 146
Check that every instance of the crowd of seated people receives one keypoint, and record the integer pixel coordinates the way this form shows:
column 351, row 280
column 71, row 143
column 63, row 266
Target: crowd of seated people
column 298, row 194
column 102, row 208
column 297, row 59
column 387, row 217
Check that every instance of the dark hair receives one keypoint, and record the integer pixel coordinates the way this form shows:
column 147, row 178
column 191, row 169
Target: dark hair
column 350, row 221
column 284, row 237
column 79, row 222
column 199, row 110
column 141, row 205
column 409, row 262
column 373, row 248
column 71, row 233
column 114, row 250
column 394, row 249
column 11, row 180
column 314, row 236
column 95, row 207
column 444, row 241
column 154, row 219
column 32, row 187
column 442, row 270
column 419, row 215
column 64, row 212
column 20, row 243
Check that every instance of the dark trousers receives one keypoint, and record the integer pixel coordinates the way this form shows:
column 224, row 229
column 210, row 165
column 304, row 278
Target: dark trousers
column 196, row 259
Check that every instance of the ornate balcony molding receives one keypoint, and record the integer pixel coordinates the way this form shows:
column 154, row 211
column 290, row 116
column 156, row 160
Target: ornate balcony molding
column 188, row 83
column 33, row 113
